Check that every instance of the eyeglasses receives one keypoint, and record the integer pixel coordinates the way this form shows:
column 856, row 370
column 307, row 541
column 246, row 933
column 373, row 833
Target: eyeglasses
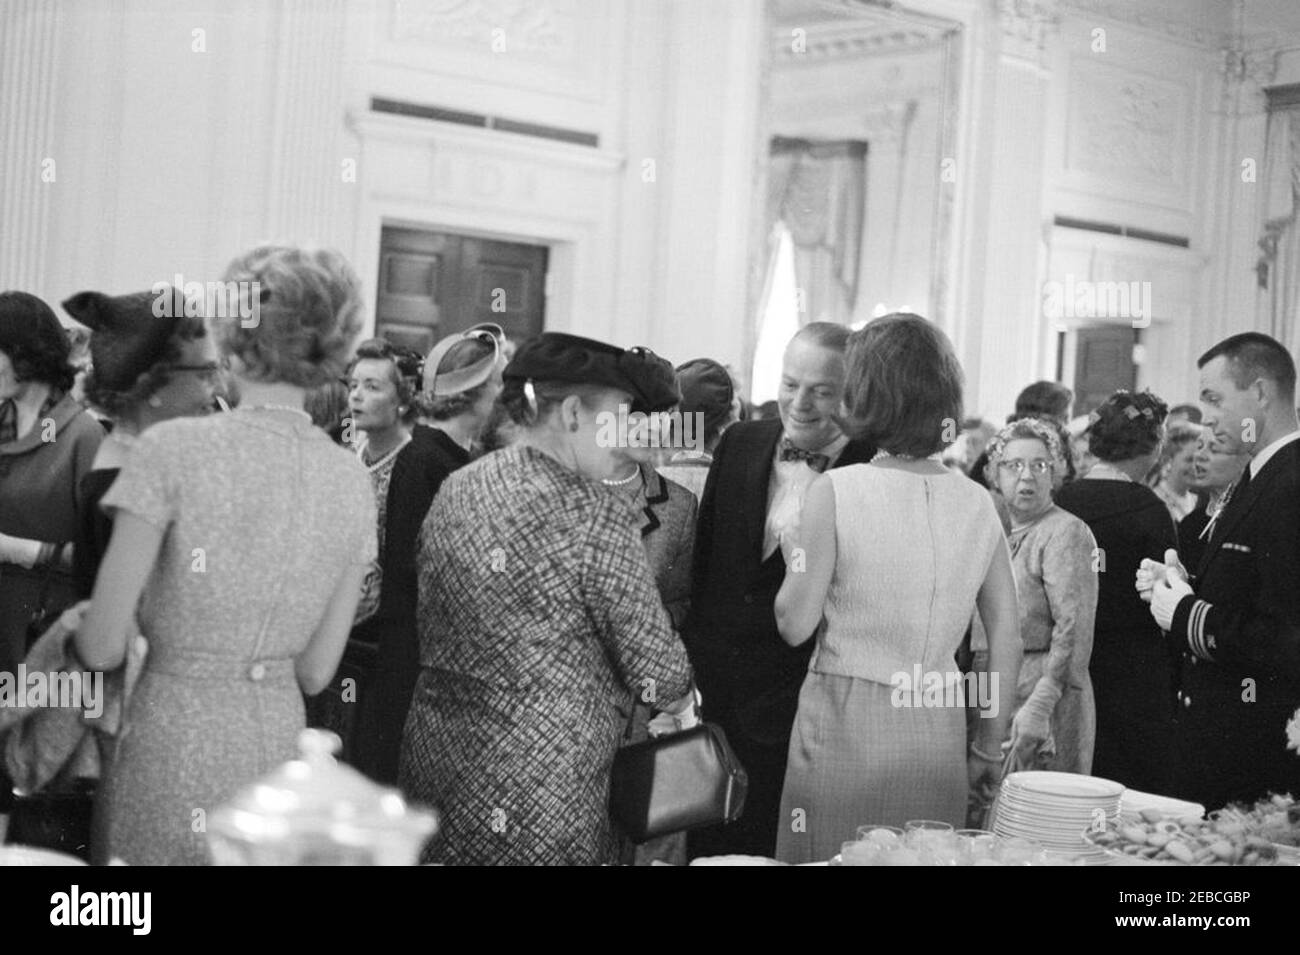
column 1038, row 467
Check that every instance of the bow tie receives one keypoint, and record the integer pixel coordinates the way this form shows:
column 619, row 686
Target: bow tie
column 814, row 459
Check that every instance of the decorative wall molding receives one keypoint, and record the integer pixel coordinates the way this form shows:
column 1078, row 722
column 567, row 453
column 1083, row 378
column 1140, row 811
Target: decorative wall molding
column 1129, row 135
column 1025, row 26
column 848, row 39
column 541, row 27
column 1126, row 11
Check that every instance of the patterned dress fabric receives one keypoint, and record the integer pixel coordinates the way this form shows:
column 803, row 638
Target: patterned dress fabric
column 539, row 620
column 912, row 551
column 1057, row 589
column 261, row 516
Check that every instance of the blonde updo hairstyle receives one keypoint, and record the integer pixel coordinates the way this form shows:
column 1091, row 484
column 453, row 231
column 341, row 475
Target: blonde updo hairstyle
column 309, row 314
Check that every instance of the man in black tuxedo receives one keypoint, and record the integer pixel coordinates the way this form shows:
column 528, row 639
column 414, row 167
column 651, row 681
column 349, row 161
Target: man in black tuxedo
column 748, row 676
column 1238, row 632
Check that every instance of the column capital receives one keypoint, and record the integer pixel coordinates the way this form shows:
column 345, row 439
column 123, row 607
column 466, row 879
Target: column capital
column 1026, row 26
column 1245, row 75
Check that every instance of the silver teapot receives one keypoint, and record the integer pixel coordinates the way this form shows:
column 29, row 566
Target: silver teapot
column 315, row 811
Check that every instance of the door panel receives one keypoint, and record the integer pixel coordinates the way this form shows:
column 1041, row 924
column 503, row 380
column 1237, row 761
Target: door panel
column 1103, row 364
column 432, row 284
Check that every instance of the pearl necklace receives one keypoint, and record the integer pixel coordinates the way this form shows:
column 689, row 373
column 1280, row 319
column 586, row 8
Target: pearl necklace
column 621, row 482
column 882, row 453
column 372, row 468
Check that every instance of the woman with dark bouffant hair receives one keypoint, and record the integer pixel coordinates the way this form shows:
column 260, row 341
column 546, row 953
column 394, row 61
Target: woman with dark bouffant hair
column 1131, row 669
column 240, row 542
column 47, row 444
column 896, row 556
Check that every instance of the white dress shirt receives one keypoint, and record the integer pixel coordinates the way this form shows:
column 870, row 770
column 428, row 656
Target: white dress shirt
column 1259, row 460
column 785, row 492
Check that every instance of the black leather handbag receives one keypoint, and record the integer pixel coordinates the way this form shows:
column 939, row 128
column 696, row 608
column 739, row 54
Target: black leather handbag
column 673, row 783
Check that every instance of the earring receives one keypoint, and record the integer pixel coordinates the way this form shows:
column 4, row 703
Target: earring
column 154, row 401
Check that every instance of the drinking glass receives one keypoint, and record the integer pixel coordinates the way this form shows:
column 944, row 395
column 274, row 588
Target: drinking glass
column 1017, row 851
column 975, row 846
column 934, row 840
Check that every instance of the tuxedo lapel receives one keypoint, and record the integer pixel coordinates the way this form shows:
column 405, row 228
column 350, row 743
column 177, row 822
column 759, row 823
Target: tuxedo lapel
column 758, row 479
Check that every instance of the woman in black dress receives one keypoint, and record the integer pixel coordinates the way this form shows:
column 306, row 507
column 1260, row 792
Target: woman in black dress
column 457, row 389
column 1131, row 669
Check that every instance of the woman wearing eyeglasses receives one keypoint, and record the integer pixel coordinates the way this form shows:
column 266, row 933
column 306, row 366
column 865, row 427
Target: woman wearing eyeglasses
column 1052, row 554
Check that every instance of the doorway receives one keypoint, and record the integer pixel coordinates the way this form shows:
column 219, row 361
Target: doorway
column 432, row 284
column 1103, row 363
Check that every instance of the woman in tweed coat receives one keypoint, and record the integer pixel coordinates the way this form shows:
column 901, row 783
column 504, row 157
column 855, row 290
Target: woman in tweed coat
column 538, row 620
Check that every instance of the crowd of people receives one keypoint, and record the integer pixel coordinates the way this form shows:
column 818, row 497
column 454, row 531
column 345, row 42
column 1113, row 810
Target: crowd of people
column 234, row 517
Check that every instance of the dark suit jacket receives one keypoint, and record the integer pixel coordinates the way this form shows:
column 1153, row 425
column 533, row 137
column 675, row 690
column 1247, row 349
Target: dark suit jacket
column 1240, row 630
column 749, row 677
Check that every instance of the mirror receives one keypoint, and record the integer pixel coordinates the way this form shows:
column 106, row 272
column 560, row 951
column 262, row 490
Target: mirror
column 857, row 124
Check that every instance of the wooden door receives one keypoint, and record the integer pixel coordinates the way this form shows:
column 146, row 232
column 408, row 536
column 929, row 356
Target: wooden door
column 1103, row 363
column 434, row 283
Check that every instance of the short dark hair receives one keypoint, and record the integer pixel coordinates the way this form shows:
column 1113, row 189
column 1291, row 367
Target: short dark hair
column 902, row 385
column 1191, row 412
column 406, row 368
column 1126, row 425
column 831, row 335
column 1253, row 355
column 116, row 402
column 1044, row 399
column 34, row 339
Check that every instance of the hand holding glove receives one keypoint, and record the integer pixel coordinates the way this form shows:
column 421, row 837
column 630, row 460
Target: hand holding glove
column 1032, row 724
column 1169, row 590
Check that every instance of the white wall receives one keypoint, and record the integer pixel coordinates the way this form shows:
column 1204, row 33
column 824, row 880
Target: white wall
column 174, row 149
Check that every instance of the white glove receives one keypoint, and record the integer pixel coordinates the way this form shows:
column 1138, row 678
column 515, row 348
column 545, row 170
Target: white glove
column 20, row 551
column 1033, row 721
column 680, row 715
column 1169, row 590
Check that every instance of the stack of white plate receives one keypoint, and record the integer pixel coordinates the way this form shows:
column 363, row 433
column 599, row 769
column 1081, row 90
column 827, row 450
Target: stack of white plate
column 1054, row 810
column 1133, row 802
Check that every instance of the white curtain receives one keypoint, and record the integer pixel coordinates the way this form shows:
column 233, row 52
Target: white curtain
column 1279, row 261
column 818, row 190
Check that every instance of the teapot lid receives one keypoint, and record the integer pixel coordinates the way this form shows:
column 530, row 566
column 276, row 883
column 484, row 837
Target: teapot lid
column 316, row 792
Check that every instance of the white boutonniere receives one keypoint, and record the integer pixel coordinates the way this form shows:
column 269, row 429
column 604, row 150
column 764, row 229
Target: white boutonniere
column 1293, row 732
